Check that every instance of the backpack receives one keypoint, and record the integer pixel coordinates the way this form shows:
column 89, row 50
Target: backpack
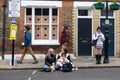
column 67, row 67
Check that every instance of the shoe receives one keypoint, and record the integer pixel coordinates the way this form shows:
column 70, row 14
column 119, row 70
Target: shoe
column 99, row 57
column 35, row 62
column 19, row 62
column 97, row 60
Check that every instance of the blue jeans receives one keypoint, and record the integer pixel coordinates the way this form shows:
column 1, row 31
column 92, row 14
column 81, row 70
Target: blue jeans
column 57, row 67
column 46, row 68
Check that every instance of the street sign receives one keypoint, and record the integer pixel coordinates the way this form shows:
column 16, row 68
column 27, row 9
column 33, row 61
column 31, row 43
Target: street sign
column 107, row 22
column 13, row 31
column 14, row 8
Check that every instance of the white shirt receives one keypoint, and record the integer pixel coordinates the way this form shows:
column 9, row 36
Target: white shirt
column 61, row 59
column 100, row 37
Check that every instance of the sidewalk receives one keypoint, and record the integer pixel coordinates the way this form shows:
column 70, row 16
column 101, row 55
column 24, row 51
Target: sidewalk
column 80, row 62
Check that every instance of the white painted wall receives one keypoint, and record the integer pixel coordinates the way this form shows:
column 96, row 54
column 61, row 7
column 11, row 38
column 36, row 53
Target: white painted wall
column 41, row 3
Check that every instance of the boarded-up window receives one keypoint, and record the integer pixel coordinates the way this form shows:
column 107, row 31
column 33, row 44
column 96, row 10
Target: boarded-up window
column 45, row 29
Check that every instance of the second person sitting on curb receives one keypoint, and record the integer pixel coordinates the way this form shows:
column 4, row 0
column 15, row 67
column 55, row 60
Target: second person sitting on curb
column 99, row 36
column 28, row 46
column 64, row 61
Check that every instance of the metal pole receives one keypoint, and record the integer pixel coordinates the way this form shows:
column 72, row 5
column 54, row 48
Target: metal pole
column 13, row 52
column 4, row 28
column 106, row 58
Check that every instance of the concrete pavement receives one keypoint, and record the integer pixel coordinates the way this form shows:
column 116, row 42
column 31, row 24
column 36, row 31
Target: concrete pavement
column 80, row 62
column 81, row 74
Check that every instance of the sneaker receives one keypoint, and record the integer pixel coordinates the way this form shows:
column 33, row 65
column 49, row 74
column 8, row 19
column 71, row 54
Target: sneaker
column 35, row 62
column 19, row 62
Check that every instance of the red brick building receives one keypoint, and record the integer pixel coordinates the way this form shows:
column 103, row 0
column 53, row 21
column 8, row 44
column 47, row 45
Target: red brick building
column 47, row 18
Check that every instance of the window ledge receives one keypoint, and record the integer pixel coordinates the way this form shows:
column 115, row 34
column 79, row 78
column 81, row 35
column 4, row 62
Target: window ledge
column 53, row 42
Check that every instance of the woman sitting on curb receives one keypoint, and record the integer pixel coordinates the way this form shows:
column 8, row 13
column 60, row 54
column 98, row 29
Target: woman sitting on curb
column 64, row 60
column 50, row 61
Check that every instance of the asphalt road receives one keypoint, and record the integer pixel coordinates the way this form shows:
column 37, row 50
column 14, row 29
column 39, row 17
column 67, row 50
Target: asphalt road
column 81, row 74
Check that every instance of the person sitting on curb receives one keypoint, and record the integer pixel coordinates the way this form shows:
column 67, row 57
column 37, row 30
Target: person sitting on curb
column 50, row 61
column 65, row 60
column 27, row 45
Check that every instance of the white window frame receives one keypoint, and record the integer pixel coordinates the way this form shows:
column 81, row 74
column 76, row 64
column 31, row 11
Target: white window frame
column 47, row 4
column 44, row 42
column 89, row 12
column 108, row 16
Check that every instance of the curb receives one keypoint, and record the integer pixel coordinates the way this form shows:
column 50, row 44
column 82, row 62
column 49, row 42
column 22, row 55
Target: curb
column 84, row 67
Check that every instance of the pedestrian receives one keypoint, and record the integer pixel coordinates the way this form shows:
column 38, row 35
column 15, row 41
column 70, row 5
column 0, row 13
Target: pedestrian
column 65, row 37
column 27, row 46
column 50, row 61
column 99, row 37
column 64, row 59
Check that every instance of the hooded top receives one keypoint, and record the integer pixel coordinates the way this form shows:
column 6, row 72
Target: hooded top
column 100, row 37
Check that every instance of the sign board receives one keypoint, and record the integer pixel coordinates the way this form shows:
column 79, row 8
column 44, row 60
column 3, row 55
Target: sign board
column 14, row 8
column 13, row 31
column 107, row 22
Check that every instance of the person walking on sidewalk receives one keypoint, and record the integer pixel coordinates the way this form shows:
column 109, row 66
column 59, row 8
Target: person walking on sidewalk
column 99, row 36
column 28, row 46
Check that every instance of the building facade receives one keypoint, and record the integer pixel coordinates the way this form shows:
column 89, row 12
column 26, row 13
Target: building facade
column 47, row 18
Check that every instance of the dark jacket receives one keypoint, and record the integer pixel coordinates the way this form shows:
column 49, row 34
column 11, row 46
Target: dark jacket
column 50, row 61
column 65, row 37
column 27, row 39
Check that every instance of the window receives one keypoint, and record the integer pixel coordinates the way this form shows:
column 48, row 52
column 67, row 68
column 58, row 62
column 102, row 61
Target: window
column 84, row 12
column 45, row 12
column 42, row 24
column 110, row 13
column 54, row 12
column 29, row 16
column 28, row 11
column 54, row 24
column 45, row 29
column 37, row 11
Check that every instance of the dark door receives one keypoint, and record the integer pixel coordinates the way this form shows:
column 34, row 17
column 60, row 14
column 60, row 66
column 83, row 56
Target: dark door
column 111, row 36
column 84, row 37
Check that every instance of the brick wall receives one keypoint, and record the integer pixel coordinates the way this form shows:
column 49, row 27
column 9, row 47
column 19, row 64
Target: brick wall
column 96, row 22
column 117, row 33
column 66, row 14
column 8, row 43
column 64, row 17
column 74, row 30
column 67, row 9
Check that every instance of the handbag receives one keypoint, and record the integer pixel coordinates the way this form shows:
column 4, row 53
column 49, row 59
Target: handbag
column 94, row 42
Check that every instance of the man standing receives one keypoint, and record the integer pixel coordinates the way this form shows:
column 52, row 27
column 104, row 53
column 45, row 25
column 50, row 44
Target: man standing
column 28, row 46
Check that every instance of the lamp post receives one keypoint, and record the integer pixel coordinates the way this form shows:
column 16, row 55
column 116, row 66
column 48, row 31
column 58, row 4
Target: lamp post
column 99, row 6
column 4, row 28
column 106, row 57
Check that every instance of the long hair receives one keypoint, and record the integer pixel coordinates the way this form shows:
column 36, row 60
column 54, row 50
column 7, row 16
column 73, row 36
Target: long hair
column 65, row 52
column 98, row 28
column 49, row 53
